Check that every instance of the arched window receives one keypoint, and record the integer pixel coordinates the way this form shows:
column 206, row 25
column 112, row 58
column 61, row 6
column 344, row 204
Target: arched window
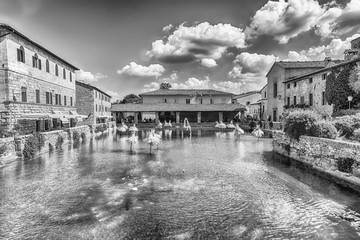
column 64, row 73
column 35, row 61
column 21, row 54
column 56, row 70
column 47, row 66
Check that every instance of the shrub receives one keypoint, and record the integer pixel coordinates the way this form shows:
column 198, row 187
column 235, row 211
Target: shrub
column 3, row 149
column 299, row 122
column 271, row 125
column 323, row 129
column 357, row 134
column 76, row 137
column 347, row 125
column 59, row 141
column 83, row 136
column 33, row 144
column 345, row 164
column 345, row 112
column 100, row 128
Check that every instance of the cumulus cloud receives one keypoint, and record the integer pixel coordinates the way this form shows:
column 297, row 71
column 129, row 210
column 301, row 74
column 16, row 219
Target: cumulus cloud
column 168, row 28
column 193, row 83
column 335, row 49
column 173, row 77
column 134, row 69
column 208, row 62
column 285, row 20
column 82, row 75
column 200, row 41
column 251, row 65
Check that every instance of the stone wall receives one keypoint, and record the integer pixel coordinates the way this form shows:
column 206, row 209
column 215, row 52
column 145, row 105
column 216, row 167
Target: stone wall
column 7, row 149
column 85, row 103
column 323, row 155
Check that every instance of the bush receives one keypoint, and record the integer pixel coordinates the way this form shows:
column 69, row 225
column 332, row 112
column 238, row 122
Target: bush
column 345, row 112
column 271, row 125
column 357, row 134
column 347, row 125
column 323, row 129
column 76, row 137
column 59, row 141
column 299, row 122
column 100, row 128
column 345, row 164
column 83, row 136
column 33, row 144
column 3, row 149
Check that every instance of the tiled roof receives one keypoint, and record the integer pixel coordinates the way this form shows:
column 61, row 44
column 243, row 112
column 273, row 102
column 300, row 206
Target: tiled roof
column 301, row 64
column 245, row 94
column 91, row 87
column 339, row 64
column 12, row 30
column 161, row 107
column 186, row 92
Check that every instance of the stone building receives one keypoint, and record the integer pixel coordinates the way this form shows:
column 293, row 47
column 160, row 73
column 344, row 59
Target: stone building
column 354, row 51
column 252, row 102
column 197, row 105
column 93, row 102
column 279, row 73
column 263, row 103
column 37, row 87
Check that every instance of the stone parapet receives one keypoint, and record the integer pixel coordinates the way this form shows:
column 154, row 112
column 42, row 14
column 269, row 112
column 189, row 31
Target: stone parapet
column 323, row 155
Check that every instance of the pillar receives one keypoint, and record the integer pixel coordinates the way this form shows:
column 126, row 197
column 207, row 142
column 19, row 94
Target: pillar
column 114, row 114
column 199, row 117
column 220, row 116
column 156, row 117
column 177, row 117
column 136, row 117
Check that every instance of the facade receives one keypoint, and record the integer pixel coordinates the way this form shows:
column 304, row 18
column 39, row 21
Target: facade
column 197, row 105
column 263, row 103
column 93, row 102
column 279, row 73
column 37, row 87
column 252, row 102
column 354, row 52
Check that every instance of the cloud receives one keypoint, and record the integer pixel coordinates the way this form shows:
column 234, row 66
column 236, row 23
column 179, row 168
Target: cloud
column 208, row 62
column 335, row 49
column 203, row 40
column 82, row 75
column 251, row 65
column 168, row 28
column 115, row 95
column 173, row 77
column 285, row 20
column 229, row 86
column 193, row 83
column 133, row 69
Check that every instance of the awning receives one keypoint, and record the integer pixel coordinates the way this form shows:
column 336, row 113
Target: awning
column 74, row 114
column 104, row 116
column 34, row 116
column 64, row 120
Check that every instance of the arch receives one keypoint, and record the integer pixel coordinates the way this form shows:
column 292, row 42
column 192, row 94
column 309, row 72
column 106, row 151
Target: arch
column 21, row 54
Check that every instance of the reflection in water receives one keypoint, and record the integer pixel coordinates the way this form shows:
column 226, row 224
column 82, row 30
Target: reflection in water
column 208, row 186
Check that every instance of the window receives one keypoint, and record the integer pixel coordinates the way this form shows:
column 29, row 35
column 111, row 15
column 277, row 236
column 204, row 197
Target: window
column 59, row 99
column 211, row 101
column 302, row 100
column 294, row 100
column 65, row 101
column 265, row 94
column 187, row 101
column 95, row 94
column 47, row 96
column 310, row 99
column 56, row 70
column 71, row 101
column 23, row 94
column 288, row 85
column 56, row 99
column 70, row 76
column 324, row 76
column 64, row 73
column 201, row 101
column 310, row 80
column 37, row 94
column 39, row 64
column 165, row 100
column 275, row 90
column 35, row 61
column 323, row 98
column 47, row 66
column 288, row 101
column 247, row 103
column 21, row 54
column 294, row 84
column 51, row 98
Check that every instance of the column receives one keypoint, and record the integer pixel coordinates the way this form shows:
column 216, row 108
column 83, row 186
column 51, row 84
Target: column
column 136, row 117
column 220, row 116
column 114, row 114
column 177, row 117
column 199, row 117
column 156, row 117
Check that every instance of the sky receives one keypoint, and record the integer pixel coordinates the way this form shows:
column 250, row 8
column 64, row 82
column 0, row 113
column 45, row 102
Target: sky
column 131, row 46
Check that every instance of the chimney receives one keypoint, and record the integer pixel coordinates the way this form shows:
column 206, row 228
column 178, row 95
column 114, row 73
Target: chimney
column 328, row 62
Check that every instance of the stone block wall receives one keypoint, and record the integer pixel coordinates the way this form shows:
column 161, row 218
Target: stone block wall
column 7, row 148
column 85, row 103
column 322, row 154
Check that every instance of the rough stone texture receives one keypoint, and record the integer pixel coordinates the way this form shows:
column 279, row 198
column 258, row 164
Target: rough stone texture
column 322, row 154
column 9, row 152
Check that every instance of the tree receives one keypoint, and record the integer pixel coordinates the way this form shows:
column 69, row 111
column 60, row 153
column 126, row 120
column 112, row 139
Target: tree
column 131, row 98
column 338, row 88
column 165, row 85
column 354, row 80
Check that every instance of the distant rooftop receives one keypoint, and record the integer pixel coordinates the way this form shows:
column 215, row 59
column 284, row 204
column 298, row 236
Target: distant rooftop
column 12, row 30
column 185, row 92
column 91, row 87
column 246, row 94
column 301, row 64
